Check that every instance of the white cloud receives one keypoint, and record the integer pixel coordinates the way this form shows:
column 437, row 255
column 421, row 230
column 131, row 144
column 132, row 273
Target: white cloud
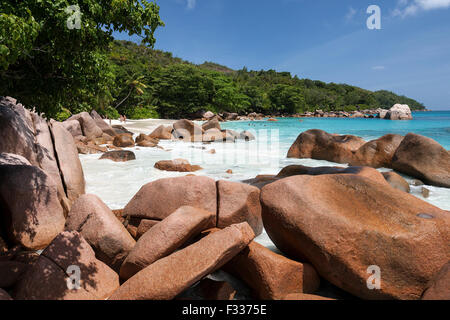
column 191, row 4
column 411, row 7
column 350, row 14
column 378, row 68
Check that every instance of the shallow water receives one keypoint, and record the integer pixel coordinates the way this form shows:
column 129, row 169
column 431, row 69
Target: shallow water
column 116, row 183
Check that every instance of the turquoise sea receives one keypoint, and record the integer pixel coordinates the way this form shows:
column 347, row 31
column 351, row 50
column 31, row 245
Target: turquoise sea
column 433, row 124
column 116, row 183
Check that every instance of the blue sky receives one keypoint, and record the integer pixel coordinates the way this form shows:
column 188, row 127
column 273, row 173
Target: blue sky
column 326, row 40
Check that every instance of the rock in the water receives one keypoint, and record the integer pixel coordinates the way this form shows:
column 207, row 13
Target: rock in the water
column 49, row 277
column 101, row 229
column 89, row 148
column 423, row 158
column 123, row 140
column 89, row 127
column 165, row 237
column 425, row 192
column 213, row 135
column 158, row 199
column 399, row 112
column 211, row 124
column 106, row 128
column 238, row 202
column 343, row 224
column 439, row 286
column 396, row 181
column 162, row 132
column 170, row 276
column 377, row 153
column 177, row 165
column 247, row 136
column 30, row 207
column 119, row 156
column 320, row 145
column 187, row 130
column 68, row 161
column 270, row 275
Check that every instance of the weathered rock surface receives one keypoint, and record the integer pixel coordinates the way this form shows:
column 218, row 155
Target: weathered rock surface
column 144, row 226
column 47, row 159
column 439, row 286
column 211, row 124
column 31, row 211
column 318, row 144
column 89, row 127
column 399, row 112
column 214, row 135
column 215, row 290
column 187, row 130
column 123, row 140
column 4, row 295
column 304, row 297
column 68, row 161
column 423, row 158
column 48, row 278
column 270, row 275
column 247, row 136
column 158, row 199
column 16, row 130
column 162, row 132
column 170, row 276
column 396, row 181
column 10, row 272
column 377, row 153
column 119, row 156
column 362, row 223
column 165, row 237
column 101, row 229
column 178, row 165
column 73, row 126
column 238, row 202
column 106, row 128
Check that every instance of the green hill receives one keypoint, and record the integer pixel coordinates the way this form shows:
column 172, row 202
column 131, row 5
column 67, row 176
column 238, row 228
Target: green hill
column 176, row 88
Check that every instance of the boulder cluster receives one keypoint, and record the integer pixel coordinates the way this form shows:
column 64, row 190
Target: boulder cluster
column 414, row 155
column 397, row 112
column 332, row 225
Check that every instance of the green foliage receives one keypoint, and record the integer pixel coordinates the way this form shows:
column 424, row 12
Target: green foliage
column 146, row 112
column 46, row 64
column 109, row 112
column 287, row 99
column 180, row 89
column 62, row 115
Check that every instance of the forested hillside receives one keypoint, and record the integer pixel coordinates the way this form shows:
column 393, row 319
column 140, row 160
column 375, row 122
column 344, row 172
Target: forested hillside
column 61, row 71
column 175, row 88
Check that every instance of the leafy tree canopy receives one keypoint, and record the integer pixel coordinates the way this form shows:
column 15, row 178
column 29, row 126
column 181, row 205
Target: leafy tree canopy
column 51, row 57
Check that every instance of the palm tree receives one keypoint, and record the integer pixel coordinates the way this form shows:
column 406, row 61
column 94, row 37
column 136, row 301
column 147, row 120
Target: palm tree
column 135, row 85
